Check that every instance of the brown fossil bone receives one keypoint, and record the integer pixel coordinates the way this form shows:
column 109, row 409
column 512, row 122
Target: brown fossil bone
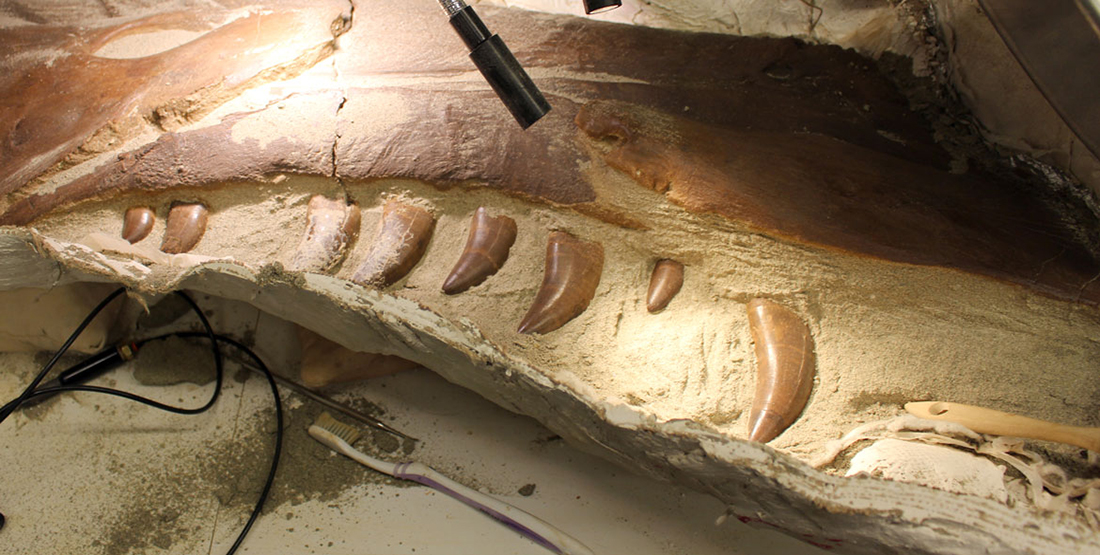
column 333, row 227
column 871, row 186
column 573, row 269
column 667, row 279
column 326, row 362
column 785, row 366
column 837, row 194
column 185, row 226
column 80, row 98
column 137, row 223
column 398, row 245
column 485, row 252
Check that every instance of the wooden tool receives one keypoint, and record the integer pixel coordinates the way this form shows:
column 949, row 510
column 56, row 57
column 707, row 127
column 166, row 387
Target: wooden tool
column 989, row 421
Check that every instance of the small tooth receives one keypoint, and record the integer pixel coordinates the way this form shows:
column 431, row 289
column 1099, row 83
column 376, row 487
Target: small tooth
column 398, row 245
column 485, row 252
column 186, row 224
column 333, row 226
column 137, row 223
column 785, row 366
column 573, row 269
column 668, row 277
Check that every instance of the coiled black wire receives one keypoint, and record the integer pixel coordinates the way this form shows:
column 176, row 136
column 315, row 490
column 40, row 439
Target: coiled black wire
column 214, row 338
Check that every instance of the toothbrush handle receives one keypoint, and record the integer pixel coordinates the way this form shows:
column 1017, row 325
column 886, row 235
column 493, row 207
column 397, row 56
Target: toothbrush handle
column 534, row 528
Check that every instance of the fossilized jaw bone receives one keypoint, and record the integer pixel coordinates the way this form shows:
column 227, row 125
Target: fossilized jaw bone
column 486, row 250
column 185, row 227
column 573, row 269
column 667, row 279
column 326, row 362
column 137, row 223
column 832, row 193
column 333, row 228
column 785, row 366
column 67, row 103
column 459, row 135
column 398, row 245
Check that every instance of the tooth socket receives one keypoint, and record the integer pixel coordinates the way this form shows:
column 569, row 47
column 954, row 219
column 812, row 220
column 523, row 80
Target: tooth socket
column 137, row 223
column 485, row 252
column 333, row 226
column 785, row 367
column 185, row 227
column 665, row 283
column 398, row 245
column 573, row 269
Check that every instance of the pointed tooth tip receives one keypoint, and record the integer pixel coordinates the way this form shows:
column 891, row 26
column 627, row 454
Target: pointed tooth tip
column 534, row 323
column 656, row 304
column 542, row 320
column 765, row 426
column 525, row 325
column 453, row 285
column 461, row 278
column 134, row 236
column 460, row 282
column 467, row 273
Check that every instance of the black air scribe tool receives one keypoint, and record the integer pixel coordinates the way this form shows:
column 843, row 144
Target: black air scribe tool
column 497, row 65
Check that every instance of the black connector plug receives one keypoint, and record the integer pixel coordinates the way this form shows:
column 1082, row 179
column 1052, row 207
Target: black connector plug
column 597, row 6
column 97, row 364
column 500, row 68
column 87, row 369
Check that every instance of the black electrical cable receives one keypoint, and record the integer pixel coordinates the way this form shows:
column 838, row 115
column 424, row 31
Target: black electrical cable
column 31, row 392
column 14, row 404
column 278, row 432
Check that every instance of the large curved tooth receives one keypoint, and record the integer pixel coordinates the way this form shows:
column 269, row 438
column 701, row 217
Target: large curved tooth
column 333, row 226
column 667, row 279
column 485, row 252
column 573, row 269
column 186, row 225
column 137, row 223
column 784, row 368
column 398, row 245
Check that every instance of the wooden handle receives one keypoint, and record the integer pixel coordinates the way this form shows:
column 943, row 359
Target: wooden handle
column 989, row 421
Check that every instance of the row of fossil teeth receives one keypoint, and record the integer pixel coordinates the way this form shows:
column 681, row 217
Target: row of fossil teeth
column 185, row 227
column 573, row 266
column 783, row 345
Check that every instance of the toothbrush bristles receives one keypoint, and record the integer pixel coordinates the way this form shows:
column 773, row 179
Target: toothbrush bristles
column 348, row 433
